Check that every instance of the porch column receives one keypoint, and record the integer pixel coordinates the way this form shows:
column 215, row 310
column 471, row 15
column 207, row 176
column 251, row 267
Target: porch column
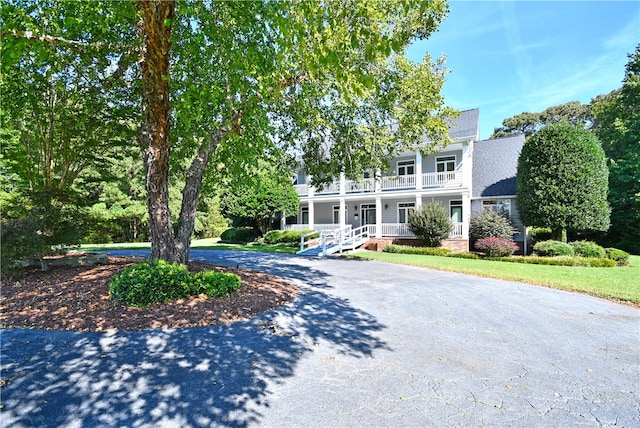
column 311, row 216
column 418, row 202
column 377, row 180
column 378, row 217
column 311, row 188
column 418, row 170
column 342, row 218
column 283, row 220
column 343, row 181
column 466, row 215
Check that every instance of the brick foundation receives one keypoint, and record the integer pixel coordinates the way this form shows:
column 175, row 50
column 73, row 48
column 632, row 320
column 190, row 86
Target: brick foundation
column 379, row 244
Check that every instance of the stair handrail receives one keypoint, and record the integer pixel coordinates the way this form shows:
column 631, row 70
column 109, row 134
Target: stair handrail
column 303, row 239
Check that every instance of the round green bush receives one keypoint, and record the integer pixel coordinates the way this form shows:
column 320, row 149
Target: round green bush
column 620, row 257
column 488, row 224
column 538, row 234
column 588, row 249
column 238, row 235
column 553, row 248
column 159, row 281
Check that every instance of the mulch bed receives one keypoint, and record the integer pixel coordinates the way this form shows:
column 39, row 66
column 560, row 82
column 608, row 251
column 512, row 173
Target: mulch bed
column 77, row 298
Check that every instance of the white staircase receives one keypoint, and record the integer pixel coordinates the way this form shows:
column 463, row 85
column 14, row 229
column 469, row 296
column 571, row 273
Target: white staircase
column 330, row 242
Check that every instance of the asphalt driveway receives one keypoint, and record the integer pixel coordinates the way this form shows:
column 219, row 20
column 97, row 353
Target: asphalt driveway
column 365, row 344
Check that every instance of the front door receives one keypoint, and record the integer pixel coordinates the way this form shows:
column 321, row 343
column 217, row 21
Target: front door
column 368, row 214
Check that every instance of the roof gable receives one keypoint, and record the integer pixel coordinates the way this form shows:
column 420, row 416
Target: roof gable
column 495, row 163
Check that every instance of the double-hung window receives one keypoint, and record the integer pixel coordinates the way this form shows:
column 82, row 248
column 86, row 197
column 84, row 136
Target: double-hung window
column 446, row 163
column 501, row 206
column 406, row 167
column 404, row 208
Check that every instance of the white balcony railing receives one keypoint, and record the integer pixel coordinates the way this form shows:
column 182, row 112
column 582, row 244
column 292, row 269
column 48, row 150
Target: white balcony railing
column 317, row 227
column 432, row 180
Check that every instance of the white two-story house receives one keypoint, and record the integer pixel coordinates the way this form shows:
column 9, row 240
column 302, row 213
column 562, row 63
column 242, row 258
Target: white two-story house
column 383, row 201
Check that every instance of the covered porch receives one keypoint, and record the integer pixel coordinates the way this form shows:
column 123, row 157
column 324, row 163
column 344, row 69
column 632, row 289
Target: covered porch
column 385, row 217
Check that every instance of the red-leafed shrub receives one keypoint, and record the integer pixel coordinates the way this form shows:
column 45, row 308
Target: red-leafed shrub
column 496, row 247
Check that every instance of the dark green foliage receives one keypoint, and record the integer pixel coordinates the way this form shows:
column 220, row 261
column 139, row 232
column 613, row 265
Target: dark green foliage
column 538, row 234
column 496, row 247
column 431, row 224
column 617, row 125
column 562, row 180
column 619, row 256
column 553, row 248
column 159, row 281
column 559, row 261
column 588, row 249
column 488, row 224
column 426, row 251
column 238, row 235
column 286, row 236
column 34, row 223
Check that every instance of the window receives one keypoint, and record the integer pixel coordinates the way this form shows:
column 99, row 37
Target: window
column 404, row 208
column 406, row 167
column 455, row 211
column 305, row 215
column 336, row 214
column 501, row 206
column 446, row 164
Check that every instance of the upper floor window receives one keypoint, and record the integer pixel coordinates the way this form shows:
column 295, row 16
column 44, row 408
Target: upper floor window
column 406, row 167
column 446, row 163
column 501, row 206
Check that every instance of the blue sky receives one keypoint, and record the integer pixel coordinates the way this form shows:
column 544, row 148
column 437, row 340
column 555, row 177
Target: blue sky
column 507, row 57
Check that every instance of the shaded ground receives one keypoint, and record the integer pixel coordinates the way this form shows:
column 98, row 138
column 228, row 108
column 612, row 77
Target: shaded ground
column 77, row 298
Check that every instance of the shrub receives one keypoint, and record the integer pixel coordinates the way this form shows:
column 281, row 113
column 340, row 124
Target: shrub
column 553, row 248
column 159, row 281
column 619, row 256
column 496, row 247
column 432, row 224
column 559, row 261
column 489, row 224
column 426, row 251
column 538, row 234
column 588, row 249
column 284, row 236
column 238, row 235
column 463, row 255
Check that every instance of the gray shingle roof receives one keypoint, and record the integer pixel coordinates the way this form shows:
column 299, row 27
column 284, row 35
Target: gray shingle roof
column 465, row 125
column 495, row 163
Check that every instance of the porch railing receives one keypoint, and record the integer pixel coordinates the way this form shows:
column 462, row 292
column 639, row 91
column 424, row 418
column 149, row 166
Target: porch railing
column 401, row 230
column 431, row 180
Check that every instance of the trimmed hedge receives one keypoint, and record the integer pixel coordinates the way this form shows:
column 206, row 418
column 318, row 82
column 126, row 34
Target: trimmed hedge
column 588, row 249
column 557, row 261
column 619, row 256
column 238, row 235
column 425, row 251
column 553, row 248
column 159, row 281
column 464, row 255
column 286, row 236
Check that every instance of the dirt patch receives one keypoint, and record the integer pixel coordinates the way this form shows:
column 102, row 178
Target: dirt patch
column 77, row 298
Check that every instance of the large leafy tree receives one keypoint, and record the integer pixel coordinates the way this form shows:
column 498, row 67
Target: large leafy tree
column 562, row 180
column 259, row 196
column 617, row 125
column 223, row 83
column 527, row 123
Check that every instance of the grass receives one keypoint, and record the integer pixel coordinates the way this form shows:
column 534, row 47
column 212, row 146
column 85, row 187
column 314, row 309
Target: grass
column 619, row 283
column 200, row 244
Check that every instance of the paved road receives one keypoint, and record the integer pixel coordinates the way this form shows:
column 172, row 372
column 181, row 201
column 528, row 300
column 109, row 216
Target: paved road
column 365, row 344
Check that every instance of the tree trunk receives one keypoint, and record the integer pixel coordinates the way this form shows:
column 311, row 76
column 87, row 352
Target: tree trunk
column 153, row 135
column 191, row 194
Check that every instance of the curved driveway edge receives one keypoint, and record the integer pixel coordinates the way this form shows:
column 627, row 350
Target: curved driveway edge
column 364, row 344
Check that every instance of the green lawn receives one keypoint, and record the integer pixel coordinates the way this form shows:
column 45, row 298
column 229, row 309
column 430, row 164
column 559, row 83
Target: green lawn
column 620, row 283
column 200, row 244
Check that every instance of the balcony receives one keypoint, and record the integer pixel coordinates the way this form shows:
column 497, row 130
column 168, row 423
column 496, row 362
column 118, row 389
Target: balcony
column 433, row 180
